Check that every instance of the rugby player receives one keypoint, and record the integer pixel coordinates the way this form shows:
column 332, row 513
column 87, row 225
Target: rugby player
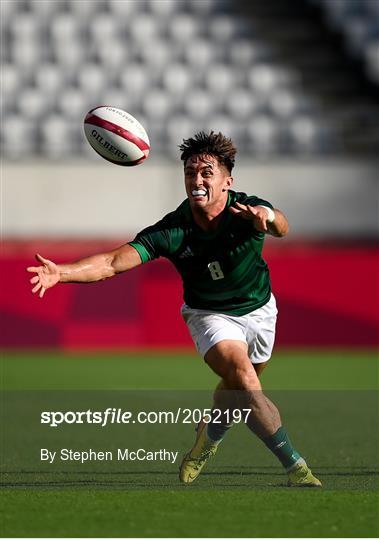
column 215, row 240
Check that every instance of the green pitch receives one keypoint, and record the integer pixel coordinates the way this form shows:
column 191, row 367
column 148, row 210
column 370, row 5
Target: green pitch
column 329, row 404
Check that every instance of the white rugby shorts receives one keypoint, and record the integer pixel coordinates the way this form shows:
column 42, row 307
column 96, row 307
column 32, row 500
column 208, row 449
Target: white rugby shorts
column 256, row 329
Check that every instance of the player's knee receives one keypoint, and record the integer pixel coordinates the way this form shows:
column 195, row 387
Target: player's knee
column 248, row 380
column 243, row 378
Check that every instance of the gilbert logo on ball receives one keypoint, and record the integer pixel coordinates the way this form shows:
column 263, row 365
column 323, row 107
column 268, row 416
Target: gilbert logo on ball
column 116, row 135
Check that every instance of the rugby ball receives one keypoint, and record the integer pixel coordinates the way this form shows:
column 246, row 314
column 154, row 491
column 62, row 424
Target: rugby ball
column 116, row 135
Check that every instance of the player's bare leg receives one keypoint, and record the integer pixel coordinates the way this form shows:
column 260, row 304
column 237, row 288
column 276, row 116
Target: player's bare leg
column 225, row 401
column 258, row 370
column 230, row 361
column 209, row 435
column 227, row 398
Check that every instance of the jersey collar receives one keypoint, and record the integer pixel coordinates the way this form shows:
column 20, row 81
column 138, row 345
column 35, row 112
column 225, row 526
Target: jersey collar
column 225, row 218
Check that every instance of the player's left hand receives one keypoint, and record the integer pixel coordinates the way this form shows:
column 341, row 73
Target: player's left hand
column 257, row 214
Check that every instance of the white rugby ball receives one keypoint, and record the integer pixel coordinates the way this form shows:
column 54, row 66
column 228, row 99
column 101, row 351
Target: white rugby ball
column 116, row 135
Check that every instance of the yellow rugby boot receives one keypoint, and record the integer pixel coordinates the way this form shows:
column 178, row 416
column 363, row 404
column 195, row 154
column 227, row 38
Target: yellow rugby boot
column 301, row 476
column 196, row 458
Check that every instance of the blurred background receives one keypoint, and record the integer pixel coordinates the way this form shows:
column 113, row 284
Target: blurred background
column 293, row 82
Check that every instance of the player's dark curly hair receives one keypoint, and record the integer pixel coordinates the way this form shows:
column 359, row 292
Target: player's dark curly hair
column 212, row 144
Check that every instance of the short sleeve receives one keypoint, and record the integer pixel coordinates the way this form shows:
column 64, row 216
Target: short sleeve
column 256, row 201
column 152, row 242
column 162, row 239
column 142, row 251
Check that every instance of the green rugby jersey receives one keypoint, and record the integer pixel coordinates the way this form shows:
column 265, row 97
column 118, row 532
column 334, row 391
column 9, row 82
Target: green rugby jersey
column 222, row 270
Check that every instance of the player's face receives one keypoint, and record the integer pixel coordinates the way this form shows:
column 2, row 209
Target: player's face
column 207, row 181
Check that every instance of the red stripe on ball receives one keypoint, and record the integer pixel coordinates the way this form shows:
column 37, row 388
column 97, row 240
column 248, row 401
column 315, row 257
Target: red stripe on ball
column 114, row 128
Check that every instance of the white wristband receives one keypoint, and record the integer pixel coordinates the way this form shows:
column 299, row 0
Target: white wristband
column 271, row 213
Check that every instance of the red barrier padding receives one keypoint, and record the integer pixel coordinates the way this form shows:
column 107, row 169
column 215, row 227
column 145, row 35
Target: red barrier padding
column 327, row 296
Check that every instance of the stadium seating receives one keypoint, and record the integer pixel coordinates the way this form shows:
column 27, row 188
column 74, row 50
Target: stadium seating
column 178, row 65
column 58, row 137
column 16, row 128
column 358, row 20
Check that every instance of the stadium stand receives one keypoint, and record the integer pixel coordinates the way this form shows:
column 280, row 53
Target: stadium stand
column 260, row 73
column 358, row 20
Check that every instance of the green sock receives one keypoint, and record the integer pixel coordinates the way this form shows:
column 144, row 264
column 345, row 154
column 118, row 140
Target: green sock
column 216, row 432
column 280, row 444
column 217, row 429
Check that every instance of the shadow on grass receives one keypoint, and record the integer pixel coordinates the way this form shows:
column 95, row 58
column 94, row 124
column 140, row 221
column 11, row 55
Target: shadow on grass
column 133, row 479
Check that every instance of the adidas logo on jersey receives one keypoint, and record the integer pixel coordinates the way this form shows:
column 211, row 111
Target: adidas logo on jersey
column 186, row 253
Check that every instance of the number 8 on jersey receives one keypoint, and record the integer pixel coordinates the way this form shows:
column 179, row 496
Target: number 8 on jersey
column 215, row 270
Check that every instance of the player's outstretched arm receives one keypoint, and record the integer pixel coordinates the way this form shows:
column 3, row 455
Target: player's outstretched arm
column 260, row 216
column 94, row 268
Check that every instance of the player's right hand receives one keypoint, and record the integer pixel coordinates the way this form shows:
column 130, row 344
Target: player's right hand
column 47, row 275
column 257, row 214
